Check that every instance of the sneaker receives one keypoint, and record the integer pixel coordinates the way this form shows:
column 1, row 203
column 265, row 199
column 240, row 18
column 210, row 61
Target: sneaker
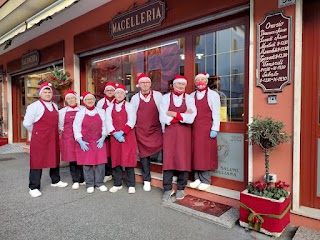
column 107, row 178
column 167, row 195
column 102, row 188
column 146, row 186
column 195, row 184
column 59, row 184
column 115, row 189
column 203, row 186
column 131, row 190
column 174, row 179
column 82, row 183
column 90, row 189
column 75, row 186
column 180, row 194
column 35, row 192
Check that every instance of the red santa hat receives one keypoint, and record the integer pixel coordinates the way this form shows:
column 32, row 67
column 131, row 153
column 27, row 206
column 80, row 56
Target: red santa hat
column 120, row 87
column 70, row 93
column 178, row 78
column 142, row 77
column 45, row 85
column 85, row 95
column 109, row 85
column 202, row 75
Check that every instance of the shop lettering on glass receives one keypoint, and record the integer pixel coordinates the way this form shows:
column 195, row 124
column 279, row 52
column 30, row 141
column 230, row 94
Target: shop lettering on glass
column 274, row 52
column 139, row 19
column 30, row 59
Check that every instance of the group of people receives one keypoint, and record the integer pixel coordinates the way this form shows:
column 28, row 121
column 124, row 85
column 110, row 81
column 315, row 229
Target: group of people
column 102, row 141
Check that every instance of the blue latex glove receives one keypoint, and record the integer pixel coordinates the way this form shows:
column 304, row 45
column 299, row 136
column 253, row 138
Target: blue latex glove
column 213, row 133
column 118, row 134
column 100, row 141
column 83, row 145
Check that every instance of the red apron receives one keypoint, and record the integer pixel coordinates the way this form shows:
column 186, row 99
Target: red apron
column 44, row 145
column 67, row 141
column 91, row 133
column 177, row 142
column 107, row 141
column 148, row 128
column 205, row 149
column 123, row 154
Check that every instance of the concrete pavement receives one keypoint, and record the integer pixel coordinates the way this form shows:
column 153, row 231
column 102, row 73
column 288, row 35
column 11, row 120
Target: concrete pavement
column 63, row 213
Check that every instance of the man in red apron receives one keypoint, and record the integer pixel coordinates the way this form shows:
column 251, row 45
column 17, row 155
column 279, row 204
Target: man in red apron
column 120, row 120
column 148, row 128
column 204, row 132
column 177, row 113
column 90, row 132
column 103, row 104
column 67, row 141
column 41, row 120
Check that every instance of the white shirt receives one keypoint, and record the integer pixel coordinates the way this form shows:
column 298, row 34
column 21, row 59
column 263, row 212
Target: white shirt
column 177, row 101
column 62, row 114
column 101, row 102
column 77, row 124
column 214, row 104
column 132, row 117
column 135, row 100
column 34, row 112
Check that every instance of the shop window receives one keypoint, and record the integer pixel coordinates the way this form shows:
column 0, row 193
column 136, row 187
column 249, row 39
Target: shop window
column 160, row 62
column 221, row 55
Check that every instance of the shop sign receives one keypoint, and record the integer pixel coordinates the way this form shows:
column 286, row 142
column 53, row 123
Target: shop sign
column 30, row 59
column 230, row 156
column 139, row 19
column 284, row 3
column 274, row 52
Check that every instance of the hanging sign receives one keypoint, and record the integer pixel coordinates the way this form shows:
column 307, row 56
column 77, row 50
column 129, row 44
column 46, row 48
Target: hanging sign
column 139, row 19
column 274, row 52
column 30, row 59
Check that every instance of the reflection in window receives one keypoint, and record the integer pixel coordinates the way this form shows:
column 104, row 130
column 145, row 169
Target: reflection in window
column 221, row 55
column 160, row 62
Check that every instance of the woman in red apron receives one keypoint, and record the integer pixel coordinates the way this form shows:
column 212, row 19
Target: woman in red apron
column 204, row 133
column 120, row 120
column 103, row 104
column 148, row 127
column 177, row 113
column 90, row 133
column 41, row 120
column 67, row 141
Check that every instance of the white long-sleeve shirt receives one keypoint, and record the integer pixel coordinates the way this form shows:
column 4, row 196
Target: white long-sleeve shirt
column 177, row 101
column 62, row 114
column 34, row 112
column 135, row 100
column 214, row 104
column 101, row 102
column 77, row 124
column 132, row 117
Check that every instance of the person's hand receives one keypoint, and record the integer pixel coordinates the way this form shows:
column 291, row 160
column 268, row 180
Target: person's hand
column 119, row 136
column 121, row 139
column 213, row 133
column 100, row 141
column 171, row 114
column 189, row 111
column 83, row 145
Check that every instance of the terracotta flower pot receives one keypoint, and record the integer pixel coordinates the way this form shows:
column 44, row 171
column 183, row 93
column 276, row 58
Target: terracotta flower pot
column 265, row 215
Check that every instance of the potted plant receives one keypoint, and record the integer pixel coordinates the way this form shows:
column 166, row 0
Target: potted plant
column 264, row 206
column 3, row 139
column 57, row 77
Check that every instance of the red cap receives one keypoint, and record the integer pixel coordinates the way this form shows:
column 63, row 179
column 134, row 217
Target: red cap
column 45, row 85
column 85, row 95
column 203, row 75
column 142, row 77
column 70, row 93
column 179, row 78
column 109, row 85
column 120, row 87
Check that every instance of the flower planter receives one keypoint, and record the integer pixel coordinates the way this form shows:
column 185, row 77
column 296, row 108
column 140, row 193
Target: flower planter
column 3, row 141
column 265, row 215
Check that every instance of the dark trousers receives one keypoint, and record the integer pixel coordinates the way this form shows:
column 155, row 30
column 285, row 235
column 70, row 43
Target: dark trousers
column 145, row 168
column 108, row 168
column 35, row 177
column 181, row 182
column 76, row 172
column 117, row 176
column 93, row 175
column 203, row 176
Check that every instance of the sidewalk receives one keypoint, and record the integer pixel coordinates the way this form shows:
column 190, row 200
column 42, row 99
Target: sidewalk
column 63, row 213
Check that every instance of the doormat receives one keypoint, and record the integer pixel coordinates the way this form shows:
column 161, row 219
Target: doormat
column 203, row 205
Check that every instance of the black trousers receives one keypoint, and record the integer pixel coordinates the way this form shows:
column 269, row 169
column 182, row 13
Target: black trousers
column 181, row 182
column 108, row 168
column 145, row 168
column 76, row 172
column 117, row 176
column 35, row 177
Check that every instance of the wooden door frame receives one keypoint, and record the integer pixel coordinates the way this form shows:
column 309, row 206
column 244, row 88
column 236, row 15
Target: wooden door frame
column 16, row 110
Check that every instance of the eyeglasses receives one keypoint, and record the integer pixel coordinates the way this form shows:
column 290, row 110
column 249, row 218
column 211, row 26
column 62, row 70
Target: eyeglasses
column 111, row 90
